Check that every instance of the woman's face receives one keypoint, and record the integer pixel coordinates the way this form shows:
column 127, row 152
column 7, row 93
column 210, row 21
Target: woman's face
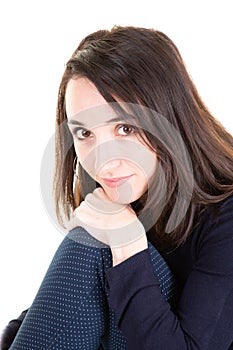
column 110, row 150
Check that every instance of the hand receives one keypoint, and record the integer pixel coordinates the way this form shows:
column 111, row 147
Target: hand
column 111, row 223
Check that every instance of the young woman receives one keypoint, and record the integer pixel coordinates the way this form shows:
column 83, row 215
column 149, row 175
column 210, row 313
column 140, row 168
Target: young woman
column 144, row 181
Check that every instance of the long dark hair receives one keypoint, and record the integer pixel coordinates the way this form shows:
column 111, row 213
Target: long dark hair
column 143, row 66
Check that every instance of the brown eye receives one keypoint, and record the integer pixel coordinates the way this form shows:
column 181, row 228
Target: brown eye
column 82, row 134
column 125, row 130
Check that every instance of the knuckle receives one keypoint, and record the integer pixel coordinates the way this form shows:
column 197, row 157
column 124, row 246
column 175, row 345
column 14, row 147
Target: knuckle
column 80, row 206
column 88, row 197
column 98, row 190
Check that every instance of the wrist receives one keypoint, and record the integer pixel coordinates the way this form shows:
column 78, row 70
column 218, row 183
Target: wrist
column 123, row 253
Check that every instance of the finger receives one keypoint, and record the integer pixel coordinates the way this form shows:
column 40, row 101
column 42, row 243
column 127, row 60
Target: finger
column 99, row 228
column 97, row 202
column 125, row 235
column 80, row 220
column 99, row 191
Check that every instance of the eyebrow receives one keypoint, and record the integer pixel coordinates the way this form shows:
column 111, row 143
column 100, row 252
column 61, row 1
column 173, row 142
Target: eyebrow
column 76, row 122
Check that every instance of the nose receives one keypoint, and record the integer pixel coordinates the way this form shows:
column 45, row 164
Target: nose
column 105, row 155
column 108, row 157
column 109, row 167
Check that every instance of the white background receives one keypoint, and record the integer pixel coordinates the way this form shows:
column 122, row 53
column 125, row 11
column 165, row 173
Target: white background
column 37, row 38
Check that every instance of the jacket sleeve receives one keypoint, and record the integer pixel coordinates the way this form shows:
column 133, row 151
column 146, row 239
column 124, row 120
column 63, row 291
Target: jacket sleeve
column 203, row 319
column 70, row 307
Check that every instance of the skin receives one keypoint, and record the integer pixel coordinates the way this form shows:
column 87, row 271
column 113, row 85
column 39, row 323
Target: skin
column 82, row 95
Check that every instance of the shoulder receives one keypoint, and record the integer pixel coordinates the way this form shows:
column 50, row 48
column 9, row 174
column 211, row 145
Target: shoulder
column 227, row 205
column 215, row 216
column 214, row 234
column 219, row 218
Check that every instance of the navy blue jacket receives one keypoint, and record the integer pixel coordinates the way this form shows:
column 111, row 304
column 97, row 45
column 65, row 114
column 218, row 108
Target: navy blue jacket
column 203, row 318
column 71, row 309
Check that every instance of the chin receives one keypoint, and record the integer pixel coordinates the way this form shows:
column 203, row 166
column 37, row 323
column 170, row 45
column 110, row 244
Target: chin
column 121, row 196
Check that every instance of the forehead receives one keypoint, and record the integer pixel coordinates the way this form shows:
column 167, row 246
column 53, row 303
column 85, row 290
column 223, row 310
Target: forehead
column 97, row 116
column 85, row 106
column 81, row 94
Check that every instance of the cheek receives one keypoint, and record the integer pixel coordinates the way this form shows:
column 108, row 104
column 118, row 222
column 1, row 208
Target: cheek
column 143, row 179
column 140, row 183
column 147, row 168
column 81, row 152
column 86, row 160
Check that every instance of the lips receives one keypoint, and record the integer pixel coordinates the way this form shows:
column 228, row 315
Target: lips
column 116, row 181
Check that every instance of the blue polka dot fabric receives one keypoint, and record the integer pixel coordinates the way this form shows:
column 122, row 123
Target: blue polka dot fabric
column 71, row 310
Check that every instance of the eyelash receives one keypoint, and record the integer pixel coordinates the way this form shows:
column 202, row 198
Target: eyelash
column 76, row 130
